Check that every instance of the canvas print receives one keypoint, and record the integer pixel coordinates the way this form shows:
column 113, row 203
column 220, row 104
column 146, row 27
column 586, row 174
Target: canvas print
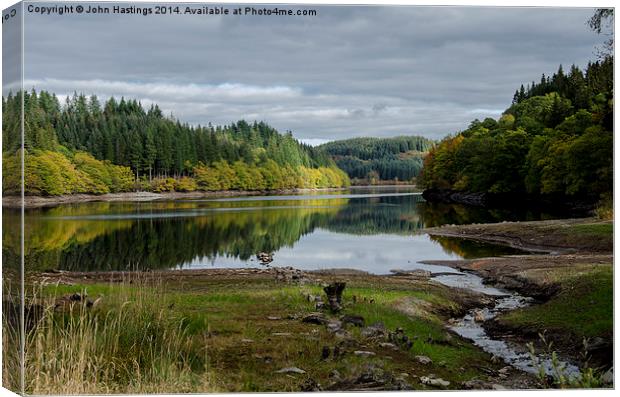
column 222, row 197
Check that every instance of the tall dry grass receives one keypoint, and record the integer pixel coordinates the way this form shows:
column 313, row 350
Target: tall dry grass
column 129, row 342
column 11, row 357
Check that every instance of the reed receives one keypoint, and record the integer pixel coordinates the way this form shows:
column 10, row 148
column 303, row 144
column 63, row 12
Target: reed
column 123, row 343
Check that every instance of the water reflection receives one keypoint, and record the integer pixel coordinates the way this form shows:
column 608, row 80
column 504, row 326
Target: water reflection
column 374, row 229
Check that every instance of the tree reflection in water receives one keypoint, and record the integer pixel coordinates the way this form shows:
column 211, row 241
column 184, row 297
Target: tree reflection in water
column 159, row 235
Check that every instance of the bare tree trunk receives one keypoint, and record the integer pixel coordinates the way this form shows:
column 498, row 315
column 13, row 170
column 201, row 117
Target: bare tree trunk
column 334, row 295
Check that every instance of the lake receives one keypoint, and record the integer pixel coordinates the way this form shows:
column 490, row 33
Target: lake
column 375, row 229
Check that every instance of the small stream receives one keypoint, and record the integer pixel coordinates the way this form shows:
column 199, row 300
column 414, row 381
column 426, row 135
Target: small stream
column 512, row 353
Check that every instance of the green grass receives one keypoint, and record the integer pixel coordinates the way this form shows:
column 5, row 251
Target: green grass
column 604, row 230
column 583, row 307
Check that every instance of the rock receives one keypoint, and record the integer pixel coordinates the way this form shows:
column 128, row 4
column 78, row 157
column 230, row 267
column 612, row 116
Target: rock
column 424, row 360
column 334, row 374
column 315, row 318
column 273, row 318
column 319, row 305
column 334, row 326
column 416, row 273
column 372, row 377
column 432, row 381
column 247, row 340
column 371, row 373
column 374, row 330
column 310, row 385
column 289, row 274
column 477, row 384
column 264, row 258
column 76, row 297
column 69, row 301
column 387, row 345
column 290, row 370
column 358, row 321
column 281, row 334
column 364, row 353
column 342, row 334
column 478, row 316
column 265, row 359
column 399, row 338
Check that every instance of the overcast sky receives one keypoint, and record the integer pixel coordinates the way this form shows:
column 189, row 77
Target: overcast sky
column 349, row 71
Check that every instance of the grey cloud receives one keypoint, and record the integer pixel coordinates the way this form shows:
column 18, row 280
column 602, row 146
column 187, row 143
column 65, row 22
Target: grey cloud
column 350, row 71
column 11, row 50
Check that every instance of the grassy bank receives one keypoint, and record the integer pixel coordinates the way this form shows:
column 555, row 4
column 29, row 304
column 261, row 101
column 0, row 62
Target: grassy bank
column 582, row 309
column 233, row 333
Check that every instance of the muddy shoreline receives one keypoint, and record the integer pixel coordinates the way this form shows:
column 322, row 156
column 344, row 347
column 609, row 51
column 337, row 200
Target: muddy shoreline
column 508, row 272
column 558, row 236
column 50, row 201
column 15, row 202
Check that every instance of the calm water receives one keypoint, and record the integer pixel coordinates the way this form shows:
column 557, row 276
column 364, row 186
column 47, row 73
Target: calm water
column 372, row 229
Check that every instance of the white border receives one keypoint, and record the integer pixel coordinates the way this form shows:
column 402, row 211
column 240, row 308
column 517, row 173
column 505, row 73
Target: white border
column 495, row 3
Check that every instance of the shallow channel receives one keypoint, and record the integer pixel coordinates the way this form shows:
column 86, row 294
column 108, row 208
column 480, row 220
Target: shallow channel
column 468, row 327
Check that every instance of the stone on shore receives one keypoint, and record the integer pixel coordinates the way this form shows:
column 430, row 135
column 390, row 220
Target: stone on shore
column 424, row 360
column 290, row 370
column 432, row 381
column 364, row 353
column 315, row 318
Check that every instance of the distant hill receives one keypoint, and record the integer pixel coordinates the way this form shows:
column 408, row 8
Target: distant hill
column 370, row 160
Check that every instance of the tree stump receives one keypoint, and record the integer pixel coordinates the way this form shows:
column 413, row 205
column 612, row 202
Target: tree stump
column 334, row 295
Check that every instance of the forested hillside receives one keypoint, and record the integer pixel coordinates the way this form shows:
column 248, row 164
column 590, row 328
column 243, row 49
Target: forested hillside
column 370, row 160
column 555, row 140
column 83, row 146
